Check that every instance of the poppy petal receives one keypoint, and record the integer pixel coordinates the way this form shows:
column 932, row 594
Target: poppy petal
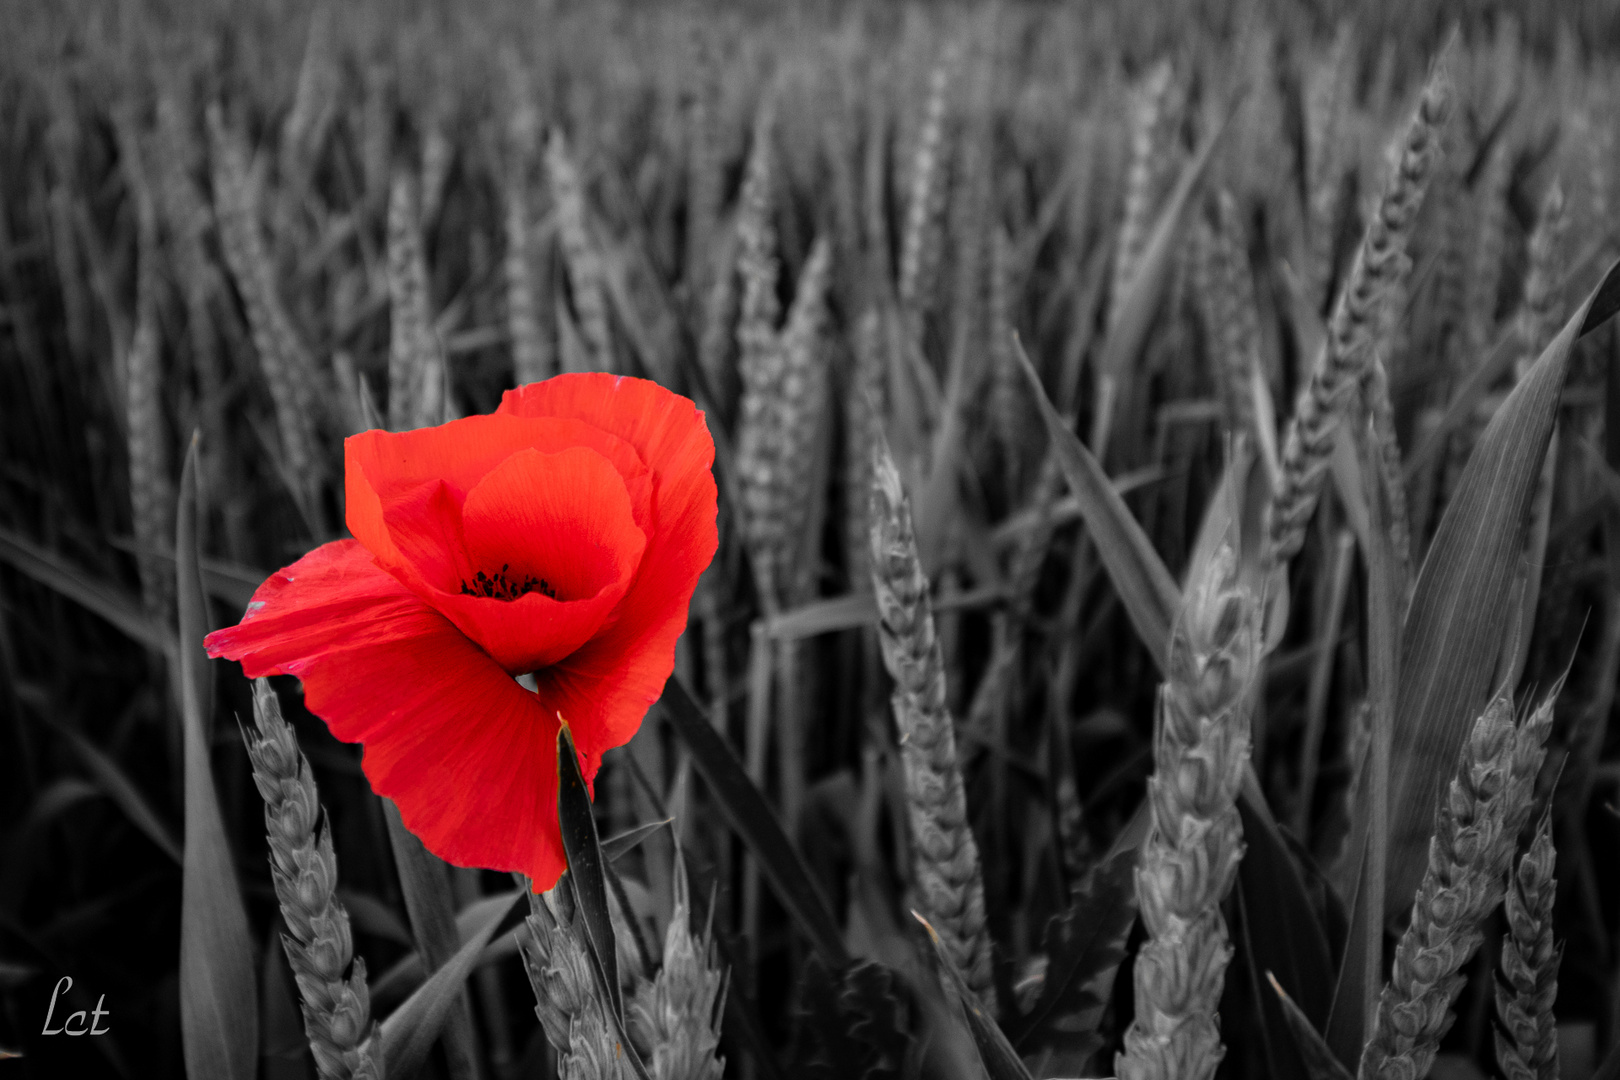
column 424, row 524
column 605, row 689
column 555, row 539
column 334, row 596
column 382, row 466
column 466, row 752
column 564, row 517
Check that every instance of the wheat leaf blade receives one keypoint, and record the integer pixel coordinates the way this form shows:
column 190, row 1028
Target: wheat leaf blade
column 219, row 1012
column 1453, row 626
column 1144, row 585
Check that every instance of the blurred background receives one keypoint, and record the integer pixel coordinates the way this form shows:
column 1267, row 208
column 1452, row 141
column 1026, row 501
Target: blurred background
column 818, row 220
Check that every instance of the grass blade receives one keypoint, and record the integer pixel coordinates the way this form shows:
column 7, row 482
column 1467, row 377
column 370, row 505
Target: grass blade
column 1385, row 591
column 219, row 1009
column 1085, row 946
column 115, row 605
column 407, row 972
column 426, row 886
column 753, row 819
column 115, row 783
column 615, row 848
column 1455, row 623
column 1291, row 939
column 586, row 867
column 1609, row 1069
column 1139, row 306
column 410, row 1030
column 1319, row 1060
column 1001, row 1061
column 1145, row 587
column 586, row 878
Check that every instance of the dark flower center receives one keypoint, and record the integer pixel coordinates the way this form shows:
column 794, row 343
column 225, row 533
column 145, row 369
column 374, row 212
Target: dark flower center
column 498, row 586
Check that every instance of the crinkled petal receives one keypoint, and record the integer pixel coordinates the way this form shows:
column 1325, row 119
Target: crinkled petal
column 467, row 753
column 560, row 525
column 605, row 688
column 382, row 466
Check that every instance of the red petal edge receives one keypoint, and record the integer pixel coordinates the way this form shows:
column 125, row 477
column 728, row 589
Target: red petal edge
column 605, row 689
column 467, row 754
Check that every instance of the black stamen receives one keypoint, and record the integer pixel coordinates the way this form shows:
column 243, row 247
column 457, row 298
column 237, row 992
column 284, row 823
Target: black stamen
column 499, row 588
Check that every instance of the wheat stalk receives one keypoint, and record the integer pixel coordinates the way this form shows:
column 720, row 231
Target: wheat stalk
column 1200, row 749
column 336, row 1007
column 1387, row 454
column 944, row 856
column 1325, row 104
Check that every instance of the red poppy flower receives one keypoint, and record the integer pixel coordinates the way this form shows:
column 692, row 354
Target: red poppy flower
column 562, row 537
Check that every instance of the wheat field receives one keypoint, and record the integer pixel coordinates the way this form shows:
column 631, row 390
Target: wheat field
column 1166, row 619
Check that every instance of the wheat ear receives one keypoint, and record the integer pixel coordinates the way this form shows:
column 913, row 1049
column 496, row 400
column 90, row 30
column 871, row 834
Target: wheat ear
column 416, row 371
column 676, row 1014
column 187, row 219
column 705, row 166
column 288, row 369
column 757, row 264
column 1476, row 830
column 1144, row 178
column 534, row 356
column 1527, row 1042
column 315, row 97
column 944, row 856
column 534, row 353
column 1200, row 748
column 151, row 494
column 337, row 1009
column 586, row 277
column 865, row 405
column 1226, row 286
column 784, row 391
column 377, row 113
column 571, row 1012
column 438, row 158
column 921, row 243
column 1538, row 316
column 1350, row 344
